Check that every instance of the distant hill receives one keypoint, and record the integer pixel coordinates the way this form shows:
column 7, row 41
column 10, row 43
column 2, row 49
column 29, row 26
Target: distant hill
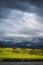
column 34, row 43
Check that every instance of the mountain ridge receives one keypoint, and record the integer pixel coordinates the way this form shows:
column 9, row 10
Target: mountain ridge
column 35, row 43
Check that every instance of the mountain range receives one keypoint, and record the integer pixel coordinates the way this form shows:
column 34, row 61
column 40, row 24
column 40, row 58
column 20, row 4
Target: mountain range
column 34, row 43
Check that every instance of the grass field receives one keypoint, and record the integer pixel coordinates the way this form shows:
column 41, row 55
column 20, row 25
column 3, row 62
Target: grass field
column 20, row 53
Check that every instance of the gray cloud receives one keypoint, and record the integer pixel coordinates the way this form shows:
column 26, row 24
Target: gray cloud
column 21, row 18
column 24, row 5
column 21, row 24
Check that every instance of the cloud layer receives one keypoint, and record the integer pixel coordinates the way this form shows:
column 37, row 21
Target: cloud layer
column 24, row 5
column 21, row 18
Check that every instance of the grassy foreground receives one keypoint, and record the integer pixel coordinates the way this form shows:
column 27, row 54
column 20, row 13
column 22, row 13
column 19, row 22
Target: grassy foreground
column 15, row 54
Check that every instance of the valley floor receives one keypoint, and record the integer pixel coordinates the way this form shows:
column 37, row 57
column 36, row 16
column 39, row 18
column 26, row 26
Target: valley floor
column 21, row 54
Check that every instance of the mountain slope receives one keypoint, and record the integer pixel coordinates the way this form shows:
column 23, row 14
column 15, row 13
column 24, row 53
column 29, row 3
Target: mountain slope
column 35, row 43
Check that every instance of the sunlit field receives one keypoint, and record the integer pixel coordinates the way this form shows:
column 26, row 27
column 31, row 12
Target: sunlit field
column 20, row 54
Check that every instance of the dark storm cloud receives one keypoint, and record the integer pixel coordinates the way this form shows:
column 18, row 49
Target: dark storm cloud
column 4, row 13
column 12, row 3
column 24, row 5
column 21, row 18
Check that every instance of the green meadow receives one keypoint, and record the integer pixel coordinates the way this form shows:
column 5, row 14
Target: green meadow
column 20, row 53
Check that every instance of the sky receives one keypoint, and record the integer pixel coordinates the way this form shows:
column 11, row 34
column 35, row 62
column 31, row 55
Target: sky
column 21, row 19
